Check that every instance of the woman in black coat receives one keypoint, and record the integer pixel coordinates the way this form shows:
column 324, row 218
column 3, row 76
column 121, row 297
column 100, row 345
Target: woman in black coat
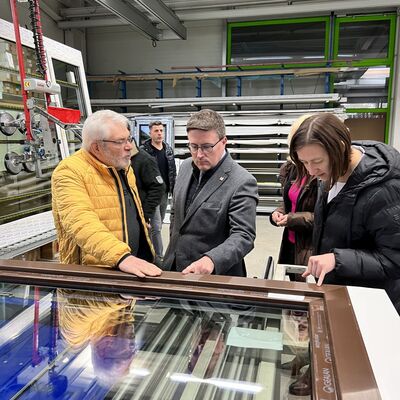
column 356, row 236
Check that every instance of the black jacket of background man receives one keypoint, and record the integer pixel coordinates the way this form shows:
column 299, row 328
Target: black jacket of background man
column 148, row 180
column 169, row 154
column 361, row 225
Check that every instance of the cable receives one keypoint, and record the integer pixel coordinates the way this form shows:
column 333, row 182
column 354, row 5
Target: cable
column 34, row 14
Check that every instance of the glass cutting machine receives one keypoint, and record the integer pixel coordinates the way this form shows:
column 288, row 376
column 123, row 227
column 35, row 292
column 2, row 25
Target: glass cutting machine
column 91, row 333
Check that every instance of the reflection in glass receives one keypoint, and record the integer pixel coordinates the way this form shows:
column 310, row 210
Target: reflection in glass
column 105, row 325
column 144, row 133
column 93, row 345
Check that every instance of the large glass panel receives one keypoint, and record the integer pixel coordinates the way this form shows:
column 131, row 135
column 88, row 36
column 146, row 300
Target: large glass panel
column 24, row 185
column 67, row 76
column 86, row 345
column 282, row 43
column 364, row 39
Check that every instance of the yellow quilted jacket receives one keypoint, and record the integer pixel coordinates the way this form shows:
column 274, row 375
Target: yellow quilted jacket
column 89, row 211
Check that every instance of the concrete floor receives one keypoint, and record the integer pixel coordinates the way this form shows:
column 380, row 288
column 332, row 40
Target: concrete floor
column 268, row 241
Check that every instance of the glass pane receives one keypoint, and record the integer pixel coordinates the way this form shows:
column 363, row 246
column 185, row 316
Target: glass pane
column 364, row 39
column 67, row 76
column 283, row 43
column 87, row 345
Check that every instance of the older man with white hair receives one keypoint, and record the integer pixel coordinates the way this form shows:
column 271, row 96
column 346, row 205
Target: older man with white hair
column 96, row 206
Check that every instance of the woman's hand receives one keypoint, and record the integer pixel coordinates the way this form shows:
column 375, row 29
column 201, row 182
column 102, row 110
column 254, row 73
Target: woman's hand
column 283, row 221
column 277, row 216
column 319, row 266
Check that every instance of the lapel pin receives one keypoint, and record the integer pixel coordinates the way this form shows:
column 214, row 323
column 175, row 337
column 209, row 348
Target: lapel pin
column 221, row 178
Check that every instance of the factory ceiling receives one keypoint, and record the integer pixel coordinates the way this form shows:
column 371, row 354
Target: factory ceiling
column 161, row 19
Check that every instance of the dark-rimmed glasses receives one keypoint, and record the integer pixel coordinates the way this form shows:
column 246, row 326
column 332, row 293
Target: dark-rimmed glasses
column 205, row 148
column 120, row 142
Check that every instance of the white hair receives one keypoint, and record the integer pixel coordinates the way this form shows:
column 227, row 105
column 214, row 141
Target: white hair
column 97, row 125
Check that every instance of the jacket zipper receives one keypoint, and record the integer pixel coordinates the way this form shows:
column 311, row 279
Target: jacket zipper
column 121, row 202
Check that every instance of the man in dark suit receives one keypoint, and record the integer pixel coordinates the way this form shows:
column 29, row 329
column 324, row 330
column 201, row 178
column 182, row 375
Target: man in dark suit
column 213, row 216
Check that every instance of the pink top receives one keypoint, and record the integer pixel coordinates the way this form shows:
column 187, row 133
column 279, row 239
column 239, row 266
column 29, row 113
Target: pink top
column 294, row 193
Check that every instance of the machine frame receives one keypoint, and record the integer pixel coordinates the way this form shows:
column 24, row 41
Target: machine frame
column 339, row 359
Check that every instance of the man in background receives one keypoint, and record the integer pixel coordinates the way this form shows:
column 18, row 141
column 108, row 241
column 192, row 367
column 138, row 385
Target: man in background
column 164, row 154
column 148, row 181
column 213, row 216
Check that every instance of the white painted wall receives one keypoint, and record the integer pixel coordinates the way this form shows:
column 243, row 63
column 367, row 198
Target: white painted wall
column 113, row 48
column 74, row 38
column 120, row 48
column 50, row 28
column 204, row 46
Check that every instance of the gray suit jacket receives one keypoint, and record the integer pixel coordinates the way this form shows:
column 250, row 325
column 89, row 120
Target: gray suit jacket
column 220, row 223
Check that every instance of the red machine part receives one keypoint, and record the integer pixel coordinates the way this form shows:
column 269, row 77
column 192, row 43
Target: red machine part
column 14, row 13
column 65, row 115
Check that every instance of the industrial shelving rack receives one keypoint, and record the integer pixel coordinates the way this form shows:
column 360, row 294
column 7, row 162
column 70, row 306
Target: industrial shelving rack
column 257, row 140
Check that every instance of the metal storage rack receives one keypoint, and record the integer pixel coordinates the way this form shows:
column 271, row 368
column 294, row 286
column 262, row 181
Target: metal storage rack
column 257, row 143
column 26, row 234
column 257, row 140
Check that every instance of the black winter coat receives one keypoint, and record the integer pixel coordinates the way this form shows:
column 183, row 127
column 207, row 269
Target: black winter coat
column 361, row 225
column 301, row 221
column 169, row 153
column 148, row 181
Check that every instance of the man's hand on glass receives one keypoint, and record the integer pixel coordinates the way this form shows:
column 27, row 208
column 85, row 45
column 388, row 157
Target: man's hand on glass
column 202, row 266
column 141, row 268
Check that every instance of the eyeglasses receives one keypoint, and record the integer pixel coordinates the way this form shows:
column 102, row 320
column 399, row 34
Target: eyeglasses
column 205, row 148
column 120, row 142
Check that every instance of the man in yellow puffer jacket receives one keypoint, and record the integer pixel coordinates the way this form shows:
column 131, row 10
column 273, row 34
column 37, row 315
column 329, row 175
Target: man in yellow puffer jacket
column 96, row 206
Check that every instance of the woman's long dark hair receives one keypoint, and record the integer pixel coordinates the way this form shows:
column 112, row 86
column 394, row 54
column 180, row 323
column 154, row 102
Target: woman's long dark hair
column 328, row 131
